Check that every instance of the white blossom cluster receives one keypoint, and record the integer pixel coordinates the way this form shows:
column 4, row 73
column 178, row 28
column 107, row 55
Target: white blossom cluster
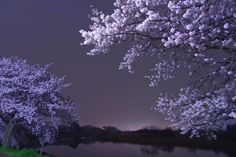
column 199, row 35
column 200, row 114
column 31, row 97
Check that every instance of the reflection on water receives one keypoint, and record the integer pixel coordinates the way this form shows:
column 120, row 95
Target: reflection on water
column 127, row 150
column 154, row 150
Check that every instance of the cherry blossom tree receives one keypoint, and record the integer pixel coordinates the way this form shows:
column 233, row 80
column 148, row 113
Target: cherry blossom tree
column 31, row 97
column 197, row 35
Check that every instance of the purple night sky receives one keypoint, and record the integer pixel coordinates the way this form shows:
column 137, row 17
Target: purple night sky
column 46, row 31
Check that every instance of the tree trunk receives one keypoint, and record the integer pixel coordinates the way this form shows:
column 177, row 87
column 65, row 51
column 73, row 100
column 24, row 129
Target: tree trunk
column 7, row 134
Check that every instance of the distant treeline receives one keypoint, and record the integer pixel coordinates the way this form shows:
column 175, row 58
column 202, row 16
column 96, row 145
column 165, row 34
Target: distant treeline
column 148, row 136
column 76, row 135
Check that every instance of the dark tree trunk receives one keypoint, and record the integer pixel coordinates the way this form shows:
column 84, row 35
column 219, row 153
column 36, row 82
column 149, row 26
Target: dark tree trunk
column 7, row 134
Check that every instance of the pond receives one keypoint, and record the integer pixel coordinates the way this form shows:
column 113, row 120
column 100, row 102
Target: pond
column 129, row 150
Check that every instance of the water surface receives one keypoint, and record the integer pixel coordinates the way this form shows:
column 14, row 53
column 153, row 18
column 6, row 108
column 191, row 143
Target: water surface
column 128, row 150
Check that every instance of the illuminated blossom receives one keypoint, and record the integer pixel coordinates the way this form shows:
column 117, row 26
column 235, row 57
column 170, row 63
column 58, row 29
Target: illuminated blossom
column 31, row 97
column 199, row 35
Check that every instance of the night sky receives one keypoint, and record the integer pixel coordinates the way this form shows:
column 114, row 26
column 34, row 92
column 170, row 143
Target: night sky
column 46, row 31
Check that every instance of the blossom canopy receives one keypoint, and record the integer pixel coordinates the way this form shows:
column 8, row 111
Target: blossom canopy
column 31, row 97
column 196, row 35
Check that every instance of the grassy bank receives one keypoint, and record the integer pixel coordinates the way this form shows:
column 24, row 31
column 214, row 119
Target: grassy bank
column 20, row 153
